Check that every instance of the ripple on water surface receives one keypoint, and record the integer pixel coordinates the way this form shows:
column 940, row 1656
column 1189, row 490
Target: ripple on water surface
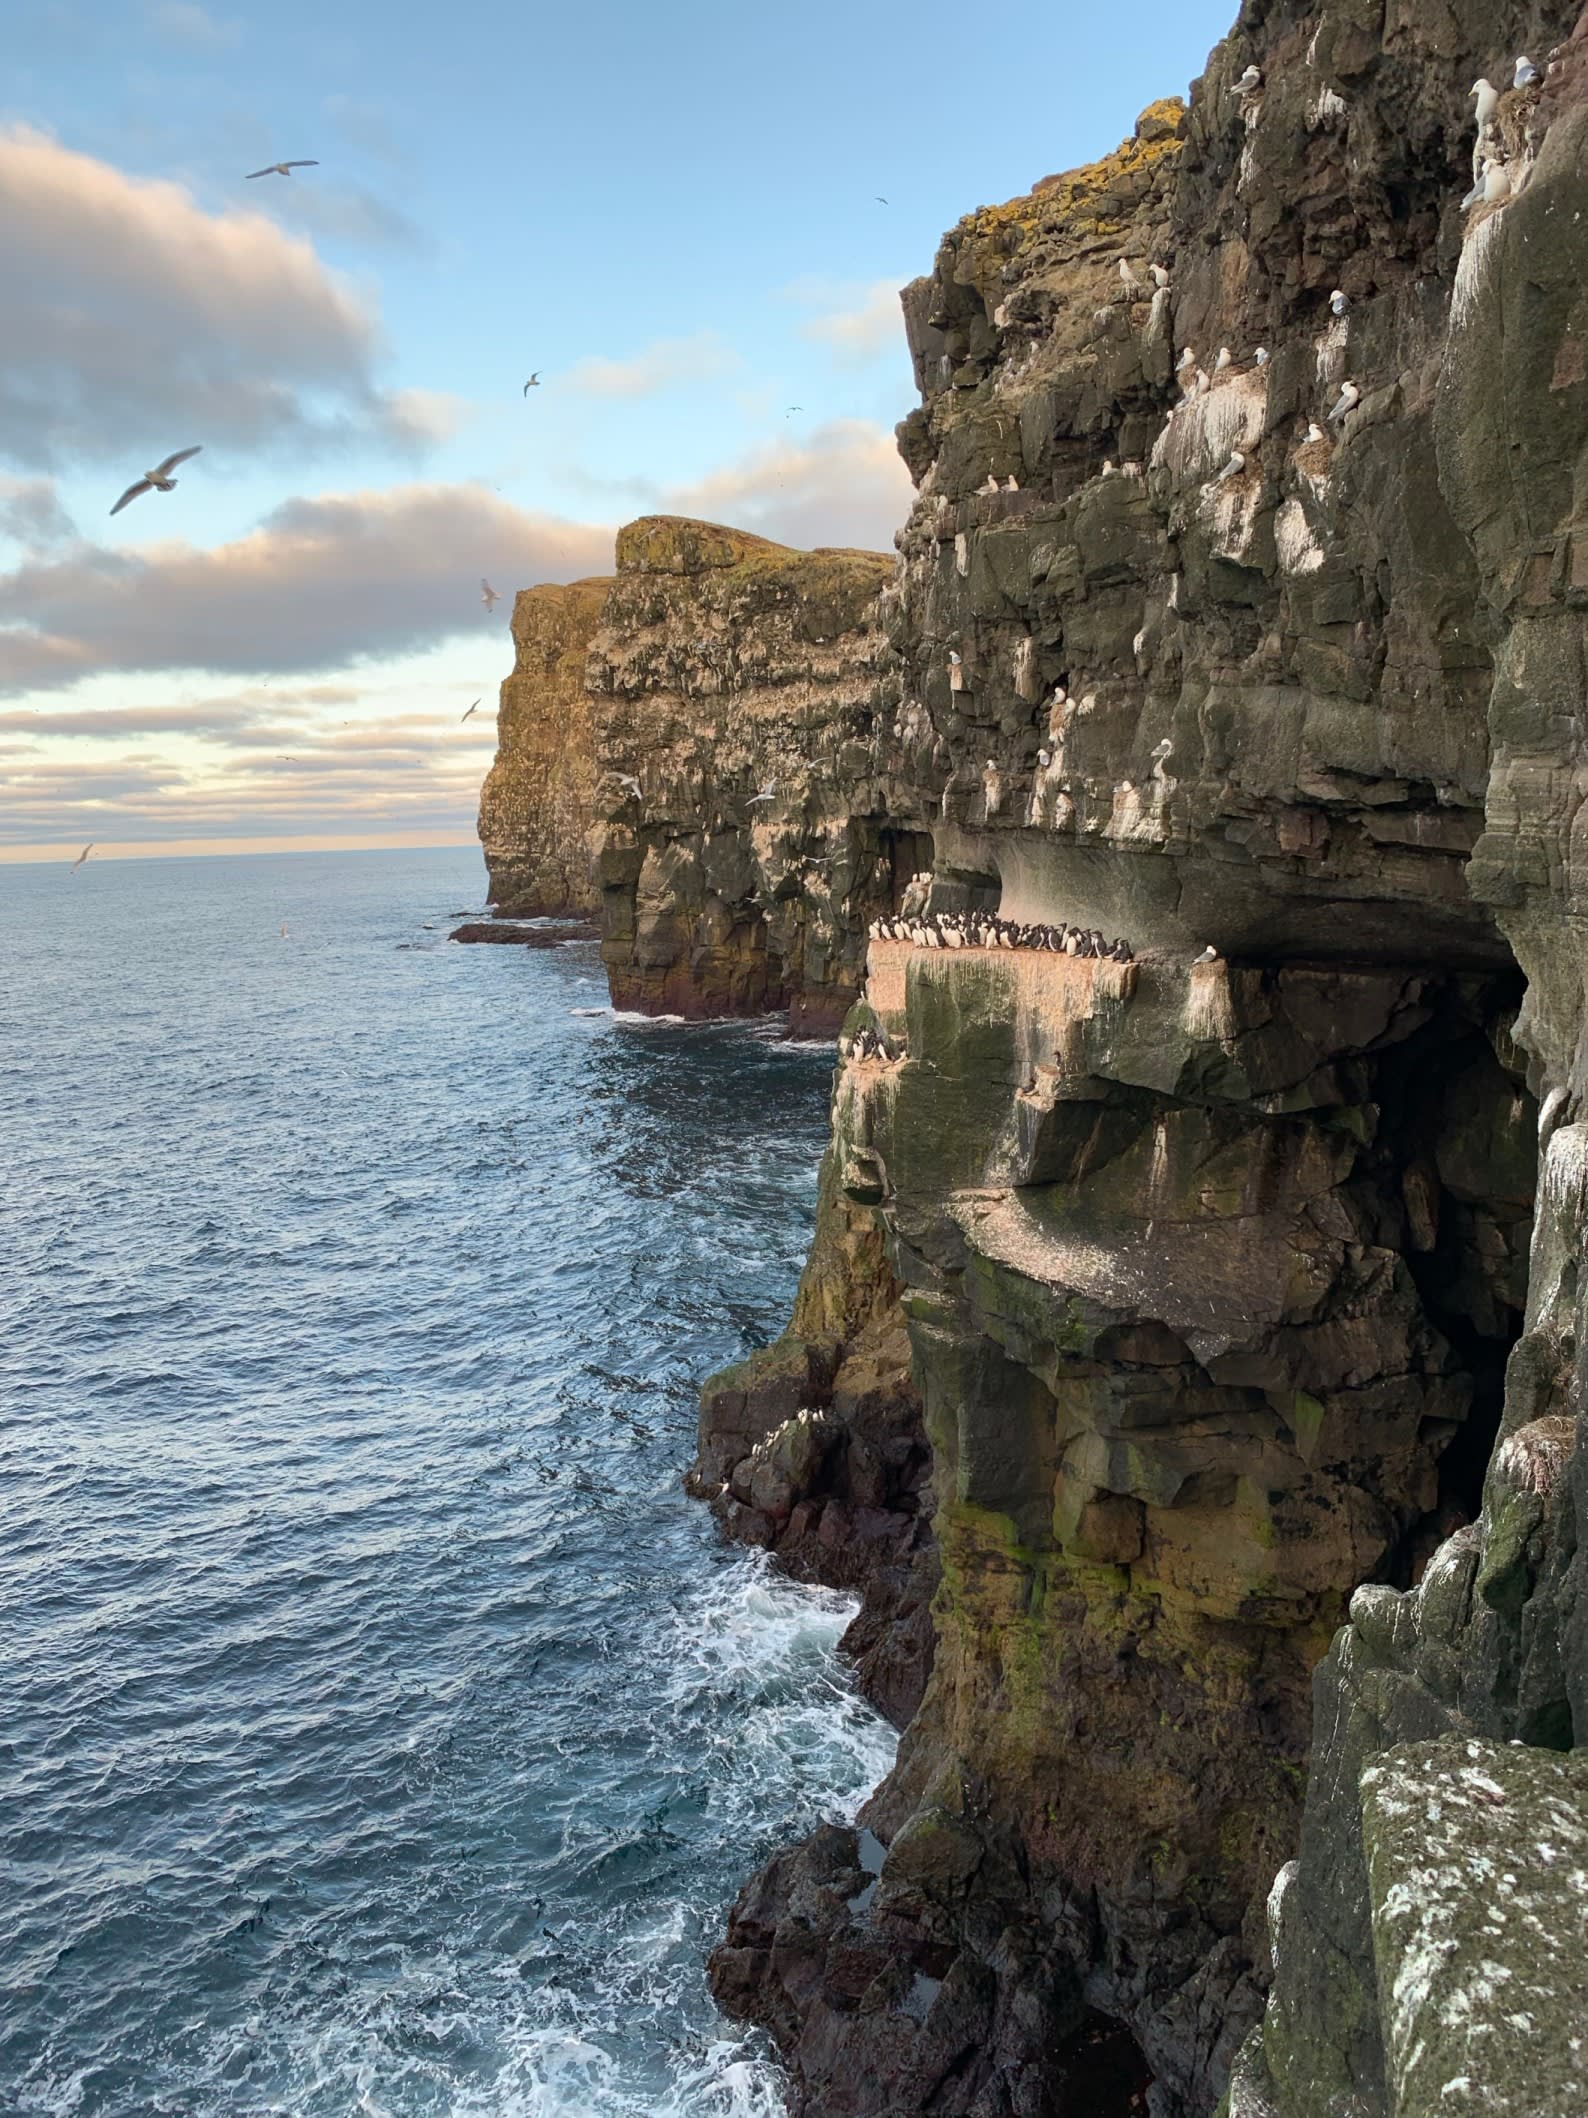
column 387, row 1733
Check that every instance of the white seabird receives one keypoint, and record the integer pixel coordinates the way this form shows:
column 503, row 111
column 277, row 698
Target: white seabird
column 279, row 169
column 1160, row 276
column 1234, row 465
column 1338, row 302
column 1526, row 73
column 1127, row 277
column 1488, row 99
column 1108, row 468
column 156, row 481
column 1349, row 396
column 1209, row 954
column 488, row 595
column 1223, row 360
column 1261, row 357
column 1011, row 483
column 627, row 779
column 1314, row 433
column 768, row 793
column 1249, row 82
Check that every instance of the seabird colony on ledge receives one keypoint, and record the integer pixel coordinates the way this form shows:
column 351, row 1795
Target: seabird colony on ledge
column 984, row 930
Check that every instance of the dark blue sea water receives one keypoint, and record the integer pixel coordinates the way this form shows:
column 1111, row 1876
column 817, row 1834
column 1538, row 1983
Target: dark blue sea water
column 382, row 1731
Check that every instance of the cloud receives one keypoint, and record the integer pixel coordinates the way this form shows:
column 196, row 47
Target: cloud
column 187, row 24
column 862, row 328
column 134, row 320
column 32, row 514
column 843, row 484
column 656, row 367
column 320, row 584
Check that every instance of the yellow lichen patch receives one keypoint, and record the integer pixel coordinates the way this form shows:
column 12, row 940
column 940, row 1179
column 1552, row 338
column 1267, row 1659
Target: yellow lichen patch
column 1074, row 196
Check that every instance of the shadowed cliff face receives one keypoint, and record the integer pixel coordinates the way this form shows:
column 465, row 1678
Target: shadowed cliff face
column 538, row 802
column 739, row 690
column 1211, row 1271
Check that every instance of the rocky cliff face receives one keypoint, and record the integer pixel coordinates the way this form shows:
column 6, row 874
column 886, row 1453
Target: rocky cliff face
column 537, row 806
column 1214, row 1265
column 740, row 690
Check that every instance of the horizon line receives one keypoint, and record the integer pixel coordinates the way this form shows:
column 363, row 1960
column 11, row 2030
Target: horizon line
column 42, row 852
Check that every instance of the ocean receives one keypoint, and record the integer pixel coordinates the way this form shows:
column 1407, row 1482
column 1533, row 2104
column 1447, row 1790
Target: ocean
column 384, row 1732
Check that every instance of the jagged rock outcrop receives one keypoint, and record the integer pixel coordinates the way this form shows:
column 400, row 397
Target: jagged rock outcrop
column 739, row 689
column 1214, row 1271
column 537, row 806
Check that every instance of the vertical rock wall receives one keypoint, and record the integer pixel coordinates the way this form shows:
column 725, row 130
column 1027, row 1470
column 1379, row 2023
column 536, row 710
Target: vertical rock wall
column 537, row 806
column 1215, row 1264
column 740, row 690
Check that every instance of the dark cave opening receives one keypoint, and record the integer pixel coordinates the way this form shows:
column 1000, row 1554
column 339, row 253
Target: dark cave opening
column 1461, row 1134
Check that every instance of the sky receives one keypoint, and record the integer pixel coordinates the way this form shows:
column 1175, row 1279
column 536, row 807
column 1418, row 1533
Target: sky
column 692, row 221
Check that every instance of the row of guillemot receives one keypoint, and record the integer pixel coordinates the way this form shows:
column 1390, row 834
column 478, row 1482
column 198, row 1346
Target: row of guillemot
column 983, row 930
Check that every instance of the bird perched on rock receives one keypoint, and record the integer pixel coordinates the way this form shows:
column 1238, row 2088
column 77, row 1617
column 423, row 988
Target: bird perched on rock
column 1108, row 468
column 1249, row 82
column 1209, row 954
column 1338, row 302
column 989, row 484
column 1202, row 384
column 158, row 480
column 1493, row 186
column 1235, row 463
column 1127, row 277
column 1526, row 73
column 1314, row 433
column 1349, row 396
column 1260, row 357
column 488, row 595
column 1011, row 483
column 279, row 169
column 992, row 786
column 1223, row 360
column 1488, row 99
column 1160, row 276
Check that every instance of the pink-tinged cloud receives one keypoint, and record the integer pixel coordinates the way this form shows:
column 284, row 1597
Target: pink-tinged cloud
column 134, row 321
column 841, row 485
column 321, row 584
column 663, row 365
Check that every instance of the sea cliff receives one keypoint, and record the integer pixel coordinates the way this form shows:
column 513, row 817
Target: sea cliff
column 1186, row 1367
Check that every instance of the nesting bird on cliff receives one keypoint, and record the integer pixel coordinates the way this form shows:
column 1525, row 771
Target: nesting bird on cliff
column 1526, row 73
column 158, row 480
column 1209, row 954
column 1128, row 279
column 1234, row 464
column 1108, row 468
column 1260, row 357
column 989, row 484
column 1488, row 99
column 76, row 864
column 1339, row 302
column 1160, row 277
column 488, row 595
column 279, row 169
column 1349, row 397
column 1249, row 82
column 1223, row 361
column 1314, row 433
column 992, row 786
column 1011, row 483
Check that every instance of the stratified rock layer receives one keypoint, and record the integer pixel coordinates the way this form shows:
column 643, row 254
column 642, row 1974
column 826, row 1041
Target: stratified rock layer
column 538, row 802
column 1215, row 1264
column 738, row 690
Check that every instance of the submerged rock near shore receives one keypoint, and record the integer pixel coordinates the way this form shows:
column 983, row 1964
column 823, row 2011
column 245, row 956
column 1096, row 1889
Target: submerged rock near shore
column 1186, row 1370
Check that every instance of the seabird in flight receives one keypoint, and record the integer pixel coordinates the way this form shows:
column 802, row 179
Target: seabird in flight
column 157, row 481
column 279, row 169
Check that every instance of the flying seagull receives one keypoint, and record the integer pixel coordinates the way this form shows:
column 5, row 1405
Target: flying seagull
column 533, row 383
column 488, row 595
column 471, row 709
column 881, row 201
column 279, row 169
column 76, row 864
column 159, row 481
column 767, row 794
column 627, row 779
